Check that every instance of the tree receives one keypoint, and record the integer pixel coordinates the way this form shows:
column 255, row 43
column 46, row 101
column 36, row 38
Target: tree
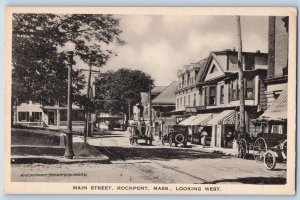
column 114, row 90
column 39, row 64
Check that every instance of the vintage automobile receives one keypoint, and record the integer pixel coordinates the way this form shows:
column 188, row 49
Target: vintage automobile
column 176, row 134
column 265, row 147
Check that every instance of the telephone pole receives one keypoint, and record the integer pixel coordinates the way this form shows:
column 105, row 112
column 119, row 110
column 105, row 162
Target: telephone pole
column 241, row 76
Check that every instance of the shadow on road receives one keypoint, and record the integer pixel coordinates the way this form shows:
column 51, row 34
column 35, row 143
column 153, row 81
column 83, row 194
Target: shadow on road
column 253, row 180
column 129, row 153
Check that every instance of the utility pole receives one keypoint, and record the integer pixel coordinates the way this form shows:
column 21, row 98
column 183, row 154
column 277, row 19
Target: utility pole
column 241, row 76
column 88, row 96
column 129, row 110
column 150, row 106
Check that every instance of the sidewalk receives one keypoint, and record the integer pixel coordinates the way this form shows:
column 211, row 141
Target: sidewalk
column 52, row 154
column 229, row 152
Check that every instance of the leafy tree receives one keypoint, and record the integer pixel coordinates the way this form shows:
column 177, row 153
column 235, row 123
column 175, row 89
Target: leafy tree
column 115, row 89
column 39, row 64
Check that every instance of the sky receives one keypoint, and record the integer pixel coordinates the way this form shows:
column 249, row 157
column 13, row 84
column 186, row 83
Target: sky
column 160, row 45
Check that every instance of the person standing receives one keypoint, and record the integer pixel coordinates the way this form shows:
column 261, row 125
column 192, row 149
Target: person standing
column 204, row 134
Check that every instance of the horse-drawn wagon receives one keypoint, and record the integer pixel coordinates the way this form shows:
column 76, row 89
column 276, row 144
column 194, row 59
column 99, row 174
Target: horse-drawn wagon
column 140, row 131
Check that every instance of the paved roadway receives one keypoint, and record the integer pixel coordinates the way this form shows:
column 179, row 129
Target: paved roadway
column 153, row 164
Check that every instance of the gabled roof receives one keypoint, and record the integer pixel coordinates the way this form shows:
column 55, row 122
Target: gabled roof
column 158, row 89
column 168, row 95
column 202, row 65
column 220, row 62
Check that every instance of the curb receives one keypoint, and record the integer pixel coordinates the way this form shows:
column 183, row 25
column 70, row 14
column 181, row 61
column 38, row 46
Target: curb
column 57, row 160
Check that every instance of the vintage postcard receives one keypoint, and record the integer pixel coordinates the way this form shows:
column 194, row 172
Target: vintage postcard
column 198, row 101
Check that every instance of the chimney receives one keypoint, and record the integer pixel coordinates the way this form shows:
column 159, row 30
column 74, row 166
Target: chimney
column 271, row 51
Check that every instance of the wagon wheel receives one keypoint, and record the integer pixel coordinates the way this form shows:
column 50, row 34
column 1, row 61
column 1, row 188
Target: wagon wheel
column 242, row 149
column 284, row 149
column 260, row 147
column 170, row 141
column 270, row 160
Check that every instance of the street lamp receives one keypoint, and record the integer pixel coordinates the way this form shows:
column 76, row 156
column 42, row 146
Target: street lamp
column 69, row 48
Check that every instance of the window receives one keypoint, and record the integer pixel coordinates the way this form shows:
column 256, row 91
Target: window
column 194, row 99
column 181, row 101
column 206, row 99
column 189, row 100
column 23, row 116
column 234, row 90
column 36, row 117
column 249, row 91
column 177, row 103
column 249, row 62
column 229, row 92
column 63, row 115
column 212, row 96
column 184, row 101
column 221, row 94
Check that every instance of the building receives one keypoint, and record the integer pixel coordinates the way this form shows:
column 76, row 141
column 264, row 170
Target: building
column 278, row 57
column 141, row 109
column 162, row 105
column 188, row 98
column 51, row 116
column 218, row 111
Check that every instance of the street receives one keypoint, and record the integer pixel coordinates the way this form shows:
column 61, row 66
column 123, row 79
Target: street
column 142, row 163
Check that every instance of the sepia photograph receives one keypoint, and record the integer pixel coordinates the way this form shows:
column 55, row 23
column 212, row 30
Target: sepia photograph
column 150, row 100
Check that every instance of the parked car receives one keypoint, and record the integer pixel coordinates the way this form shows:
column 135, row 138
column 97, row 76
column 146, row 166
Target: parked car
column 175, row 134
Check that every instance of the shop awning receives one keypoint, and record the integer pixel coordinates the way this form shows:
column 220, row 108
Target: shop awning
column 278, row 110
column 188, row 120
column 225, row 117
column 201, row 119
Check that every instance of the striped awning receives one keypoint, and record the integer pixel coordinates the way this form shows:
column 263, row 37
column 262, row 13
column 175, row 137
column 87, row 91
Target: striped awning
column 201, row 119
column 187, row 121
column 278, row 110
column 225, row 117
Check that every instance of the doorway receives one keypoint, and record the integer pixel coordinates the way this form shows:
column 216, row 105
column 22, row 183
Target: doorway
column 51, row 118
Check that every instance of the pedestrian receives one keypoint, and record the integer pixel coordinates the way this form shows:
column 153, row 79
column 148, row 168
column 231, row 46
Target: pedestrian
column 228, row 138
column 204, row 134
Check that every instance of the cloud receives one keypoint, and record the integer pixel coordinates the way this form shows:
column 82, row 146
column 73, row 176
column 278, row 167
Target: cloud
column 136, row 24
column 161, row 45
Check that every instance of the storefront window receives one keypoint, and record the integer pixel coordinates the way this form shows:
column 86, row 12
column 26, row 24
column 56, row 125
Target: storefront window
column 36, row 117
column 23, row 116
